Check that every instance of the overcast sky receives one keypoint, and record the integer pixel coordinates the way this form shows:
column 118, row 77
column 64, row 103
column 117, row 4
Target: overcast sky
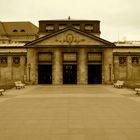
column 120, row 19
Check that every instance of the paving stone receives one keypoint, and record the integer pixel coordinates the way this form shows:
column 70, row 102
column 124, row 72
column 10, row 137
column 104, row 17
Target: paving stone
column 98, row 112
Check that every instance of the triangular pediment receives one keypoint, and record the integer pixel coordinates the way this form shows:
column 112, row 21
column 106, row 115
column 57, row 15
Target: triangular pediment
column 69, row 36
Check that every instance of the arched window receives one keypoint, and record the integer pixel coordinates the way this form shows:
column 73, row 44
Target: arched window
column 22, row 30
column 15, row 30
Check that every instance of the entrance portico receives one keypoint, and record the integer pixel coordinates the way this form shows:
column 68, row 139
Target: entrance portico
column 74, row 57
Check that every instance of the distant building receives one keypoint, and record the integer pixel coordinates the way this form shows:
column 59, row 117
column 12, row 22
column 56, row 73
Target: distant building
column 127, row 43
column 64, row 52
column 17, row 32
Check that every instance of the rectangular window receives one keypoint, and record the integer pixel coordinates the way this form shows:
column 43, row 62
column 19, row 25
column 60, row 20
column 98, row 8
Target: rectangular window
column 94, row 57
column 49, row 27
column 3, row 61
column 89, row 27
column 122, row 60
column 70, row 57
column 135, row 60
column 16, row 60
column 45, row 57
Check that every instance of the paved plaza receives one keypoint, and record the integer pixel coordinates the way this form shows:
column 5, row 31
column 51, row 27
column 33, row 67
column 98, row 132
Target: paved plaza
column 94, row 112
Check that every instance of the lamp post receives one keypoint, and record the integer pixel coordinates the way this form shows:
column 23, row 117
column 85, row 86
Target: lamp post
column 29, row 67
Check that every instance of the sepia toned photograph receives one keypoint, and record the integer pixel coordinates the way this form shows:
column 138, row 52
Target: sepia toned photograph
column 69, row 70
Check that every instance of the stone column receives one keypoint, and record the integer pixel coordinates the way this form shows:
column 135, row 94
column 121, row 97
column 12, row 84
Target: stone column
column 9, row 74
column 116, row 68
column 57, row 67
column 32, row 74
column 82, row 67
column 129, row 69
column 107, row 70
column 22, row 67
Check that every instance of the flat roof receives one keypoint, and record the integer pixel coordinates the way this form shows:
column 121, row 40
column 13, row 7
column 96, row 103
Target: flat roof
column 69, row 20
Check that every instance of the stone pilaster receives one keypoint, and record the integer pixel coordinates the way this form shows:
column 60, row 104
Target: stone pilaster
column 129, row 69
column 9, row 74
column 22, row 67
column 116, row 68
column 107, row 70
column 57, row 67
column 82, row 67
column 32, row 74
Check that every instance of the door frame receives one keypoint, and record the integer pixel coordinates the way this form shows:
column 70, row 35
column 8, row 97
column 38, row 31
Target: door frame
column 70, row 64
column 44, row 64
column 96, row 64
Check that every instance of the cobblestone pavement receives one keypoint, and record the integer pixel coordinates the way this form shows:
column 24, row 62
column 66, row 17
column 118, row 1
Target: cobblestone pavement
column 94, row 112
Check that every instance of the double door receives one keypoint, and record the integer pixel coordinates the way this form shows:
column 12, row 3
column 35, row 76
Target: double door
column 94, row 74
column 44, row 74
column 69, row 74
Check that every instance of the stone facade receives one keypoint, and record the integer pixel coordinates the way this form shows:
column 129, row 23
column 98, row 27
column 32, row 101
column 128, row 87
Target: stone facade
column 108, row 62
column 130, row 70
column 82, row 64
column 11, row 72
column 17, row 32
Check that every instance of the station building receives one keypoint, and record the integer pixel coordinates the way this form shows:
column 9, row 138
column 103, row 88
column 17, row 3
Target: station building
column 64, row 52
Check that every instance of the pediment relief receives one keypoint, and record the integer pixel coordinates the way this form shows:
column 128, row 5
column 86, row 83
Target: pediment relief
column 69, row 38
